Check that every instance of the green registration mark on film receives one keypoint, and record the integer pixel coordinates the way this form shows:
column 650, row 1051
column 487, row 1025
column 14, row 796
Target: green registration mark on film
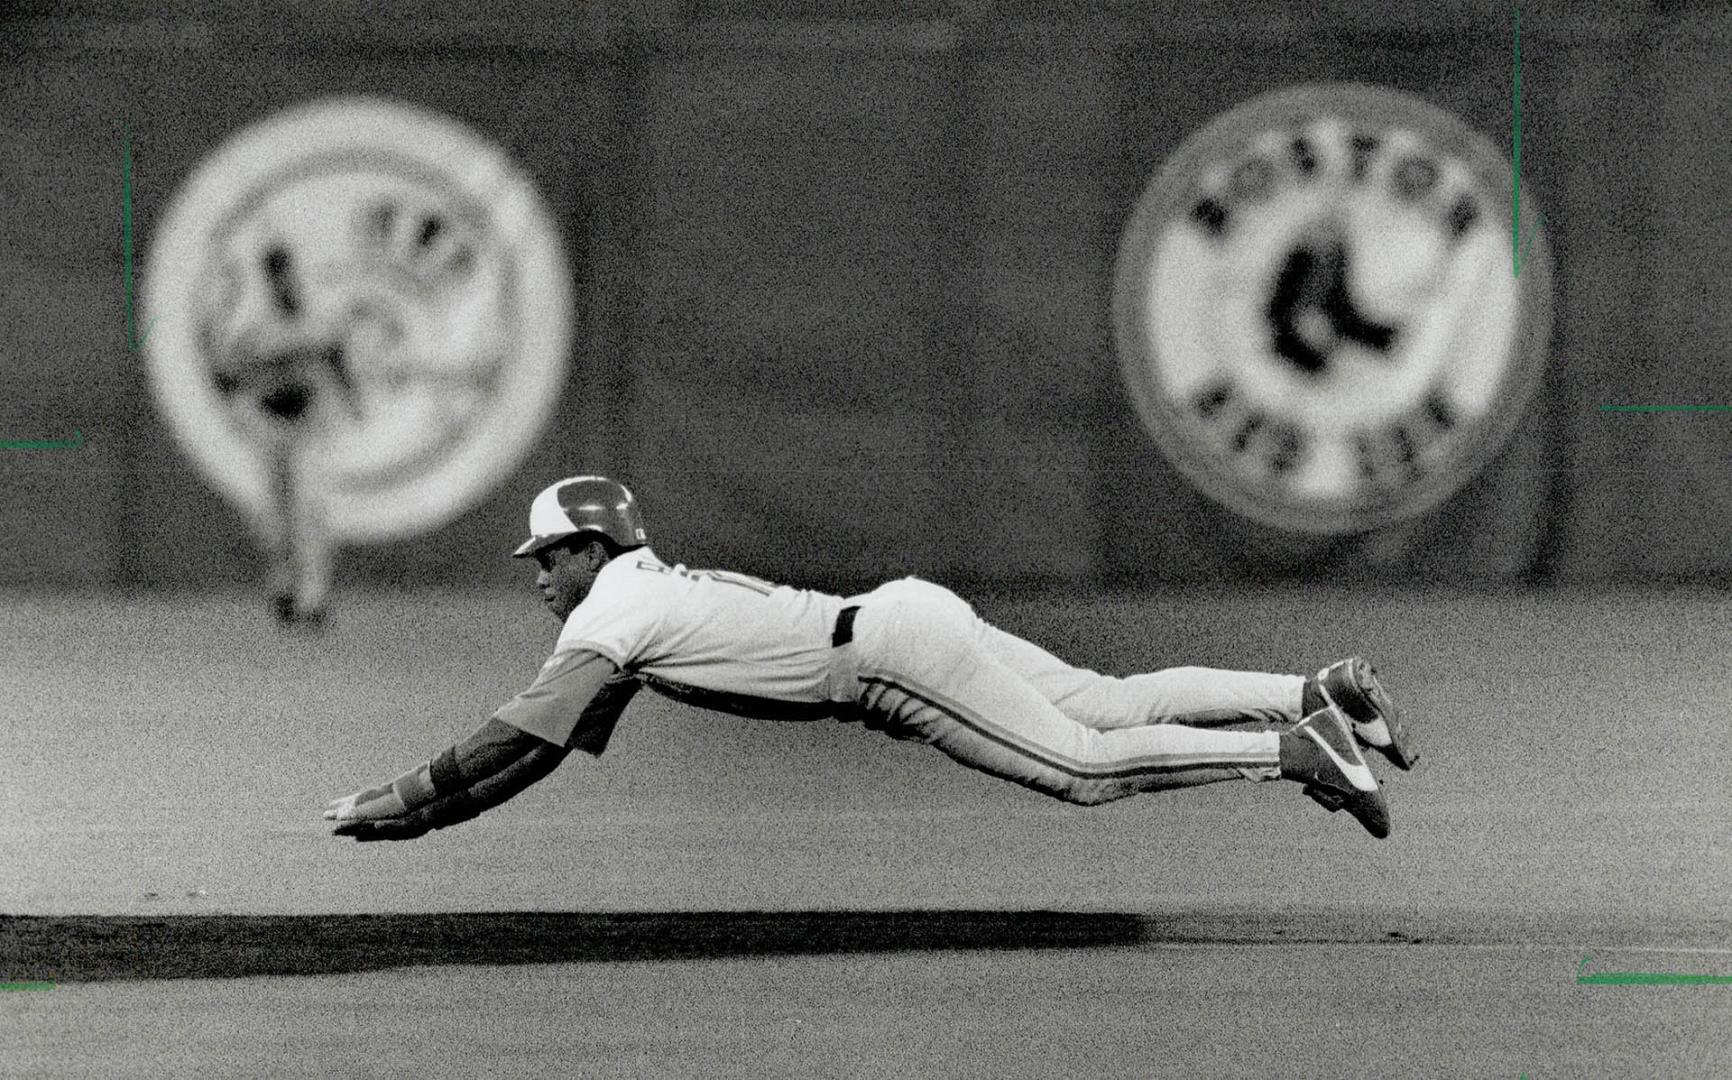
column 26, row 986
column 1515, row 168
column 73, row 443
column 1666, row 408
column 134, row 340
column 1647, row 978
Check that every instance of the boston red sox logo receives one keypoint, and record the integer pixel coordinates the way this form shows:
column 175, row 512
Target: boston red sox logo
column 1314, row 310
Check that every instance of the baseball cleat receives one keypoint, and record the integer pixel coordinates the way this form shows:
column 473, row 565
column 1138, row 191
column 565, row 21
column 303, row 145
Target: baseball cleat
column 1320, row 753
column 1353, row 687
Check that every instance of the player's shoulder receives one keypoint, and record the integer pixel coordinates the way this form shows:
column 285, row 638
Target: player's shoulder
column 630, row 596
column 631, row 580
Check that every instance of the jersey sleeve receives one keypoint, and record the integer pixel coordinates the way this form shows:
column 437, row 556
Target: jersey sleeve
column 622, row 612
column 574, row 702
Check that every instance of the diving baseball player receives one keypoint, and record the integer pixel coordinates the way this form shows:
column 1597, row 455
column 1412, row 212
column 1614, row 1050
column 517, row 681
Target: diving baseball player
column 909, row 658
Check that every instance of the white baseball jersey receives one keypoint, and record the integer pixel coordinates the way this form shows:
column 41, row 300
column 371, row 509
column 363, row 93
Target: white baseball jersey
column 713, row 638
column 707, row 630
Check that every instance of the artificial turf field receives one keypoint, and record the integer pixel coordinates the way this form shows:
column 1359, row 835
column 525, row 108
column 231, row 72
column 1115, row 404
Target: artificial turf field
column 722, row 897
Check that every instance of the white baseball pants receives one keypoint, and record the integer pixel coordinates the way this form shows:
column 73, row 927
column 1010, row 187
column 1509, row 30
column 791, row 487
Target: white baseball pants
column 931, row 670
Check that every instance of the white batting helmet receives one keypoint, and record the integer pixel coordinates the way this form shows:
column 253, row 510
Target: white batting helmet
column 580, row 504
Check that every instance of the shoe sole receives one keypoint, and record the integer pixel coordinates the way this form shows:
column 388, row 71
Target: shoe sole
column 1362, row 679
column 1369, row 808
column 1332, row 801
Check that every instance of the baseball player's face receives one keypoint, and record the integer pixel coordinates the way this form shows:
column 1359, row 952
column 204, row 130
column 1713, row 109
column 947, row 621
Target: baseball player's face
column 566, row 576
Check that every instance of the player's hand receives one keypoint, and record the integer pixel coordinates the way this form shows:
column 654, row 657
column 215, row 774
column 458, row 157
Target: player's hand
column 370, row 805
column 397, row 828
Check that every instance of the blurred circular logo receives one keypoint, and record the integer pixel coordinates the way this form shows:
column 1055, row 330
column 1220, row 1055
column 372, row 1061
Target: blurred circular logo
column 1315, row 308
column 371, row 288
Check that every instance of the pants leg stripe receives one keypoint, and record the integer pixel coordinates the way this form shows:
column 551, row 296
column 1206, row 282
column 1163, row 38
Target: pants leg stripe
column 1125, row 770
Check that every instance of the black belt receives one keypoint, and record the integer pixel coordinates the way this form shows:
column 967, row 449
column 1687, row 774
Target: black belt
column 844, row 632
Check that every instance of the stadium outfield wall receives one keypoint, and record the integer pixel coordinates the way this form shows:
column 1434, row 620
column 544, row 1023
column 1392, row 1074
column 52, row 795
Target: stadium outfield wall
column 844, row 276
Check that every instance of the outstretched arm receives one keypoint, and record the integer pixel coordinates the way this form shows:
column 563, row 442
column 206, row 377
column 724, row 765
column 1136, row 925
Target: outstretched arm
column 573, row 704
column 486, row 769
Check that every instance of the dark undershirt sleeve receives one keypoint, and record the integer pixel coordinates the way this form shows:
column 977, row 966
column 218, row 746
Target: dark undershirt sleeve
column 491, row 766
